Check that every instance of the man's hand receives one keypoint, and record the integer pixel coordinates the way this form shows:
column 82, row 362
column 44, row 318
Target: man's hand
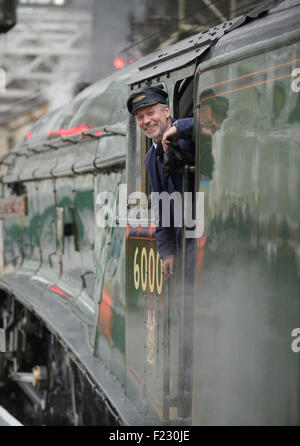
column 170, row 135
column 168, row 266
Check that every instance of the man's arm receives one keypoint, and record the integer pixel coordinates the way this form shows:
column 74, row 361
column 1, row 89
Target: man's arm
column 181, row 129
column 165, row 236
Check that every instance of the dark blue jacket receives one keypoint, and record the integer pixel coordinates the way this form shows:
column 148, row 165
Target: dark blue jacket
column 169, row 239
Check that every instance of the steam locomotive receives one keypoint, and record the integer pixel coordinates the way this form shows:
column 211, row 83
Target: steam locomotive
column 95, row 334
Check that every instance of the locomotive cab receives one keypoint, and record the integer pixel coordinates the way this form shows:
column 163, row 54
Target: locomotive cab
column 152, row 310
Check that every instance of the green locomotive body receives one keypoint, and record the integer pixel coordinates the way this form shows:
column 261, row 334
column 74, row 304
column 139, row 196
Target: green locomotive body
column 85, row 304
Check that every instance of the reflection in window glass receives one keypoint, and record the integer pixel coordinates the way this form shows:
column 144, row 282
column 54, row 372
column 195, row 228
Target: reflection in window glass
column 250, row 152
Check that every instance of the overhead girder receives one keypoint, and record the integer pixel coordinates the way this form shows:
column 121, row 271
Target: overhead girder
column 37, row 51
column 216, row 11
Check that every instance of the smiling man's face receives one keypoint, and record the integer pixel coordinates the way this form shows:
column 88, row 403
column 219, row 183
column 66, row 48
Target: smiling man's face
column 153, row 120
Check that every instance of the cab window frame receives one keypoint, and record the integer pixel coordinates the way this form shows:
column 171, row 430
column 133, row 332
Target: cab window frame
column 138, row 148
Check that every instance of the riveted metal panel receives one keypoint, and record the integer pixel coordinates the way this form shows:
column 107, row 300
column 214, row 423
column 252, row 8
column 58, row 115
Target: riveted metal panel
column 31, row 232
column 70, row 281
column 11, row 242
column 49, row 270
column 110, row 292
column 85, row 227
column 146, row 301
